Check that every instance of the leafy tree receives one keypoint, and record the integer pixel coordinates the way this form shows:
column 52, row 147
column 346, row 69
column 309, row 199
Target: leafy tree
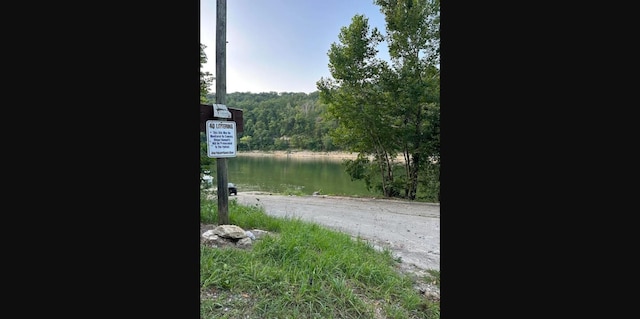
column 413, row 85
column 205, row 82
column 354, row 98
column 206, row 78
column 245, row 142
column 383, row 110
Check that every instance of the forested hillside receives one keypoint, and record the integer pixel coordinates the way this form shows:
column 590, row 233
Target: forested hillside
column 281, row 121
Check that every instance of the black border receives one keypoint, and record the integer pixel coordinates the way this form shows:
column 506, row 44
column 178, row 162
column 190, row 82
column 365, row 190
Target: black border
column 530, row 111
column 111, row 146
column 492, row 180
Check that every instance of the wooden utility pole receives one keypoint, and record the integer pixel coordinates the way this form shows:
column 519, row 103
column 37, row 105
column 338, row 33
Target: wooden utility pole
column 221, row 97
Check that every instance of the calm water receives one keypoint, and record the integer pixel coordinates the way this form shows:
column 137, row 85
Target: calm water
column 278, row 175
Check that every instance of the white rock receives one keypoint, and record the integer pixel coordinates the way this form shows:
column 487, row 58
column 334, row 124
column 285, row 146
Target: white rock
column 209, row 234
column 230, row 231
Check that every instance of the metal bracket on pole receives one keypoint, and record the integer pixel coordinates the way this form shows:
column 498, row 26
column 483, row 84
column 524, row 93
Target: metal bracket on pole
column 221, row 111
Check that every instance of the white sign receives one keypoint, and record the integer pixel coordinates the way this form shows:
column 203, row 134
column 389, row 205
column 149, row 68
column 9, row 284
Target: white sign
column 221, row 139
column 221, row 110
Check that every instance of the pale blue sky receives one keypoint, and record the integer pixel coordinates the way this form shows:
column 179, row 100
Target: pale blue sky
column 281, row 45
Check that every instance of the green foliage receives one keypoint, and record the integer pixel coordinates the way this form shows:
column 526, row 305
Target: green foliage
column 383, row 110
column 430, row 181
column 356, row 168
column 241, row 215
column 282, row 121
column 206, row 78
column 205, row 160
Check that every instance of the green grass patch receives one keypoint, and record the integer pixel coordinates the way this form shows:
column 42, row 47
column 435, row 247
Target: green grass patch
column 303, row 270
column 434, row 277
column 293, row 190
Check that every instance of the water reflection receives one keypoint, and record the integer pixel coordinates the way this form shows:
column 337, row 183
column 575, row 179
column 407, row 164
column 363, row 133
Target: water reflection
column 281, row 174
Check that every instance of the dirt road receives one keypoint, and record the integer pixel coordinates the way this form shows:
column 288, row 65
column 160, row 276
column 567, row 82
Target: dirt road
column 411, row 230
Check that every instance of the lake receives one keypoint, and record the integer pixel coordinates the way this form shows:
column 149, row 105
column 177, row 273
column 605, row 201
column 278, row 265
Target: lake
column 289, row 174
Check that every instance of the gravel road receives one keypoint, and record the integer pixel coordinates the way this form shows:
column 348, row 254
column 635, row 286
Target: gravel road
column 411, row 230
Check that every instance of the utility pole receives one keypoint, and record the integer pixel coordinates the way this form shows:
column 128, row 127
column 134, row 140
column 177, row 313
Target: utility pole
column 221, row 97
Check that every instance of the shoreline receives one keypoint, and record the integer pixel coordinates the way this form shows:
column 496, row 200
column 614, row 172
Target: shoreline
column 301, row 155
column 334, row 155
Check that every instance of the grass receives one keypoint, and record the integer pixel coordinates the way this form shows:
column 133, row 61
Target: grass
column 293, row 191
column 303, row 270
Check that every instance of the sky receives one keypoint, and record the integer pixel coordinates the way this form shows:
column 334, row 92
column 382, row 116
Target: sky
column 280, row 45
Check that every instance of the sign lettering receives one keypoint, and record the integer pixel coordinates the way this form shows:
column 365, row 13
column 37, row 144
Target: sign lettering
column 221, row 139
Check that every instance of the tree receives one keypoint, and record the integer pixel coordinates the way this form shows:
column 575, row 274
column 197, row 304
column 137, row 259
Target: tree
column 354, row 98
column 413, row 36
column 383, row 110
column 206, row 78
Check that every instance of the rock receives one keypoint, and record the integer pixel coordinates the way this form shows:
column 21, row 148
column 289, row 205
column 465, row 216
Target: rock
column 432, row 295
column 244, row 242
column 230, row 231
column 226, row 236
column 210, row 235
column 258, row 233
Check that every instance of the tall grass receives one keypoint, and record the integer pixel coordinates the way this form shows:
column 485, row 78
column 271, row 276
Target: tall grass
column 302, row 270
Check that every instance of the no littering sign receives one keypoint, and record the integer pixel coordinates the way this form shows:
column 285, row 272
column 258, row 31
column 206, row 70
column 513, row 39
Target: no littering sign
column 221, row 139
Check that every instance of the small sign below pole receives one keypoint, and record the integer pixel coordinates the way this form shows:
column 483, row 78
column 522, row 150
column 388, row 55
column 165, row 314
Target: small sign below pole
column 221, row 139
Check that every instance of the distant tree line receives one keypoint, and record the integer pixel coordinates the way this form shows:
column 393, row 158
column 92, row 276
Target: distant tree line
column 282, row 121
